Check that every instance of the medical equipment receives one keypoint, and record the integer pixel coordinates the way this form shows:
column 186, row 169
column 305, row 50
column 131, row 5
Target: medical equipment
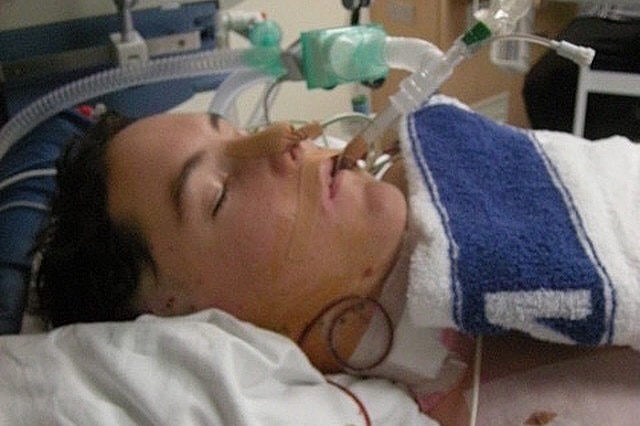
column 135, row 72
column 325, row 59
column 500, row 18
column 494, row 23
column 478, row 355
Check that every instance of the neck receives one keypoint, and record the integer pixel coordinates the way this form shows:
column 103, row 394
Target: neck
column 333, row 335
column 353, row 313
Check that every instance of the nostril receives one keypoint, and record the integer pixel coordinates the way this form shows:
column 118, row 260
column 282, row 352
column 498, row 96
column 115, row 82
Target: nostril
column 295, row 151
column 288, row 159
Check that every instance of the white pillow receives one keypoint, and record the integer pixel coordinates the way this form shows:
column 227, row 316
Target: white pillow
column 207, row 368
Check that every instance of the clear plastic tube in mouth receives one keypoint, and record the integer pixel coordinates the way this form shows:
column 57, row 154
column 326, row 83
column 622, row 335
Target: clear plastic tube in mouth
column 348, row 159
column 357, row 155
column 342, row 162
column 336, row 160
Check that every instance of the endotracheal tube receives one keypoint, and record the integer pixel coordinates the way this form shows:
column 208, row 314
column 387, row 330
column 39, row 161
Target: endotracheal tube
column 500, row 18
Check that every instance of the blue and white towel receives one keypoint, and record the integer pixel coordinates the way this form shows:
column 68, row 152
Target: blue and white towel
column 531, row 231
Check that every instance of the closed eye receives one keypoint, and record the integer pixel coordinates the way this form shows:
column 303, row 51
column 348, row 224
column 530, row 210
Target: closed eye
column 221, row 197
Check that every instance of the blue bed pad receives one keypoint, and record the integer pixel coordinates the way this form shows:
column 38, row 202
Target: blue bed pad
column 19, row 225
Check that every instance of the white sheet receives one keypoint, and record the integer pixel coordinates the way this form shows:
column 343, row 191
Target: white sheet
column 207, row 369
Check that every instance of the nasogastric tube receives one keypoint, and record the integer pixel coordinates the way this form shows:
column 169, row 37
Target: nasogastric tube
column 500, row 18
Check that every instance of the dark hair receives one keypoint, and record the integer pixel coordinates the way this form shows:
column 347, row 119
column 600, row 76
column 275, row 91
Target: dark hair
column 90, row 266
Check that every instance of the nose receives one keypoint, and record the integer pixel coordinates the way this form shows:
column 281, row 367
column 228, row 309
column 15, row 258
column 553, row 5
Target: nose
column 289, row 159
column 297, row 154
column 295, row 144
column 281, row 147
column 275, row 149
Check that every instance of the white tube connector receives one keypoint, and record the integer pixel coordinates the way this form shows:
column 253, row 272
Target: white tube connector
column 132, row 49
column 238, row 21
column 421, row 84
column 410, row 54
column 581, row 55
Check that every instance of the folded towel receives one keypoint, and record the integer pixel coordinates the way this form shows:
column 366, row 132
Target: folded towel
column 522, row 230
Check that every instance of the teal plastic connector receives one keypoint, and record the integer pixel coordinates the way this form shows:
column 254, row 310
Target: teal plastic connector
column 265, row 34
column 342, row 55
column 266, row 60
column 265, row 55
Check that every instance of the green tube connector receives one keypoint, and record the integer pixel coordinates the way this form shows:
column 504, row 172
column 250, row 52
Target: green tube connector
column 476, row 34
column 342, row 55
column 266, row 60
column 265, row 34
column 265, row 55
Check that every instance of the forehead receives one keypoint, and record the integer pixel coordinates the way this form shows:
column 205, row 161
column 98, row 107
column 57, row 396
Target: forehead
column 144, row 157
column 166, row 138
column 172, row 130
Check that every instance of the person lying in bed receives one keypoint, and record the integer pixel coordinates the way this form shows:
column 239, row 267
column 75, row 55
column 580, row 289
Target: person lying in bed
column 177, row 213
column 159, row 216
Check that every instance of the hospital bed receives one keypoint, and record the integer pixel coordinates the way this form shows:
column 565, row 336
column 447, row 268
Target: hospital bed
column 161, row 371
column 36, row 59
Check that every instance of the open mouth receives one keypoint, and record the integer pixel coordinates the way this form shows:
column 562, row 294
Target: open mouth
column 342, row 162
column 339, row 162
column 334, row 171
column 334, row 164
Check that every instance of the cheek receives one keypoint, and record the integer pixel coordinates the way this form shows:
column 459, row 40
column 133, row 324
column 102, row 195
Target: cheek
column 387, row 207
column 267, row 215
column 253, row 239
column 376, row 210
column 361, row 244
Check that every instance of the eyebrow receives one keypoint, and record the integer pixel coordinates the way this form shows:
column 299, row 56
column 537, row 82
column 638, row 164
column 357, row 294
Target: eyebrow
column 179, row 183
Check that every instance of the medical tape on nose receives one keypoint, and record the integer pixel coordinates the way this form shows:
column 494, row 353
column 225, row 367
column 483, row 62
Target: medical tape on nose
column 272, row 140
column 275, row 140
